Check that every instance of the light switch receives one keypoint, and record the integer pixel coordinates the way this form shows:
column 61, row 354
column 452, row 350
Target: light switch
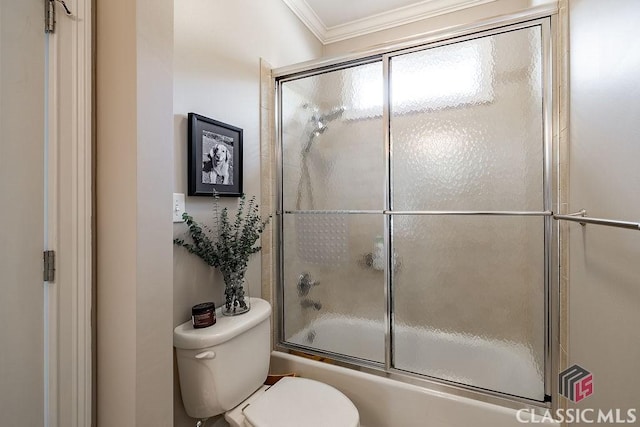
column 178, row 207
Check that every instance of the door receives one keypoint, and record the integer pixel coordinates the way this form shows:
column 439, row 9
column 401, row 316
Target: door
column 467, row 136
column 22, row 213
column 333, row 182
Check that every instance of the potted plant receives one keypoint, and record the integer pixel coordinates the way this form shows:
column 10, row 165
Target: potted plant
column 228, row 248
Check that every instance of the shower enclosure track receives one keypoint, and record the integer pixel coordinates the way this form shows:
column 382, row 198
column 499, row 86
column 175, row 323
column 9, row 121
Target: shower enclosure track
column 391, row 212
column 574, row 217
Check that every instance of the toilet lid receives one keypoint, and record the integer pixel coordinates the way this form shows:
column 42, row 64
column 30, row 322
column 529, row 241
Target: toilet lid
column 296, row 402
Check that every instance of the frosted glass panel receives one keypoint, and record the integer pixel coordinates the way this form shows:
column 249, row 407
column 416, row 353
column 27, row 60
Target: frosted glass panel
column 466, row 132
column 333, row 147
column 469, row 300
column 333, row 299
column 466, row 125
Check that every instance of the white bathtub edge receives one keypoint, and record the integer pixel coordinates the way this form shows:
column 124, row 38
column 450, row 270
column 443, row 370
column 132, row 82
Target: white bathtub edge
column 404, row 404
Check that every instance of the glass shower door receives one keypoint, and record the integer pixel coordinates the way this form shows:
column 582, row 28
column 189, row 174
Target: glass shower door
column 467, row 180
column 415, row 236
column 332, row 200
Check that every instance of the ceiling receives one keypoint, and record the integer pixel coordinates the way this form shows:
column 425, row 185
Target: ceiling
column 335, row 20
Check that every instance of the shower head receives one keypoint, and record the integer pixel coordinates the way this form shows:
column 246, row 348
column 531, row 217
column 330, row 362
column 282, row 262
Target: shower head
column 331, row 116
column 320, row 122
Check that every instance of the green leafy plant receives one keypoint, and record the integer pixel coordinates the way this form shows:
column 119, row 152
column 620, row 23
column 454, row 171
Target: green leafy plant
column 227, row 247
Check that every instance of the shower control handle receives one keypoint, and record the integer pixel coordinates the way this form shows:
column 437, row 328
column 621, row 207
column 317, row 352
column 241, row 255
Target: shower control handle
column 305, row 284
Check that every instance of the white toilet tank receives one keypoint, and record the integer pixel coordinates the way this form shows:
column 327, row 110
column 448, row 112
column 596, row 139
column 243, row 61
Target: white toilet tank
column 223, row 364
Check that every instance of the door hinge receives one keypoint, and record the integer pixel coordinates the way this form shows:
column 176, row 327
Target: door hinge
column 49, row 266
column 49, row 16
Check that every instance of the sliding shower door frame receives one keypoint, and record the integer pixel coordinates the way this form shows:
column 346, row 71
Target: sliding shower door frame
column 544, row 17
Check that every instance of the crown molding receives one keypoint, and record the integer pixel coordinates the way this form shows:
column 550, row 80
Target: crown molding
column 394, row 18
column 381, row 21
column 308, row 16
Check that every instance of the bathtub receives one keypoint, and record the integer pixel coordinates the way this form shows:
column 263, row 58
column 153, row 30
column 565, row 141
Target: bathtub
column 385, row 402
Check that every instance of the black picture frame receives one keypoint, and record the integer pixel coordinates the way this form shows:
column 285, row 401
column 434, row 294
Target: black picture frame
column 215, row 157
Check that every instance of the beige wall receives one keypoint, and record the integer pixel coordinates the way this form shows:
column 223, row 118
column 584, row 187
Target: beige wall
column 604, row 151
column 218, row 45
column 22, row 124
column 134, row 156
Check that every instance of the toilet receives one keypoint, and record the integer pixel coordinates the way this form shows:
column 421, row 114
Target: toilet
column 222, row 369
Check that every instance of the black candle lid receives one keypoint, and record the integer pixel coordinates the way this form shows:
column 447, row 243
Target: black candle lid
column 202, row 308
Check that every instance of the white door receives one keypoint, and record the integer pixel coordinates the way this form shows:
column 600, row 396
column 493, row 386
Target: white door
column 22, row 212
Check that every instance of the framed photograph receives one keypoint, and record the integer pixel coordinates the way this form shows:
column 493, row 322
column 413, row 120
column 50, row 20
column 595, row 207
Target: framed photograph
column 215, row 157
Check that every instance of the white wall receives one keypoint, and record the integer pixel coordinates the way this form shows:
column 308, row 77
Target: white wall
column 217, row 49
column 604, row 298
column 134, row 162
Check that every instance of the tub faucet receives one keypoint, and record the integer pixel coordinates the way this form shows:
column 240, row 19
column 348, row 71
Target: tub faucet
column 307, row 303
column 311, row 336
column 305, row 284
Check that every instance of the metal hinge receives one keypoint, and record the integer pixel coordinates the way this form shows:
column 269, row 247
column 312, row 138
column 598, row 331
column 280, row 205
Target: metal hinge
column 50, row 14
column 49, row 272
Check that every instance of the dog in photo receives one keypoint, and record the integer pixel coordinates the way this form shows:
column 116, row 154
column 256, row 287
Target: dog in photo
column 217, row 164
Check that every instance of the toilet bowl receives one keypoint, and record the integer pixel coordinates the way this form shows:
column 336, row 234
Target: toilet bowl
column 222, row 369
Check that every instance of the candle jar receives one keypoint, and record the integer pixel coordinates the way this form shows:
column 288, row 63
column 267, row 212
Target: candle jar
column 203, row 315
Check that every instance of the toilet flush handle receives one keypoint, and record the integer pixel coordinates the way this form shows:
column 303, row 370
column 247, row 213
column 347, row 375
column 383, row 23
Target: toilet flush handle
column 205, row 355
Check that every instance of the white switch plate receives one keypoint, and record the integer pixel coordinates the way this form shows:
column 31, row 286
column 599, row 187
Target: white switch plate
column 178, row 207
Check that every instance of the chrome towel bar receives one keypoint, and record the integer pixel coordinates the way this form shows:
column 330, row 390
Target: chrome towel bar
column 583, row 220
